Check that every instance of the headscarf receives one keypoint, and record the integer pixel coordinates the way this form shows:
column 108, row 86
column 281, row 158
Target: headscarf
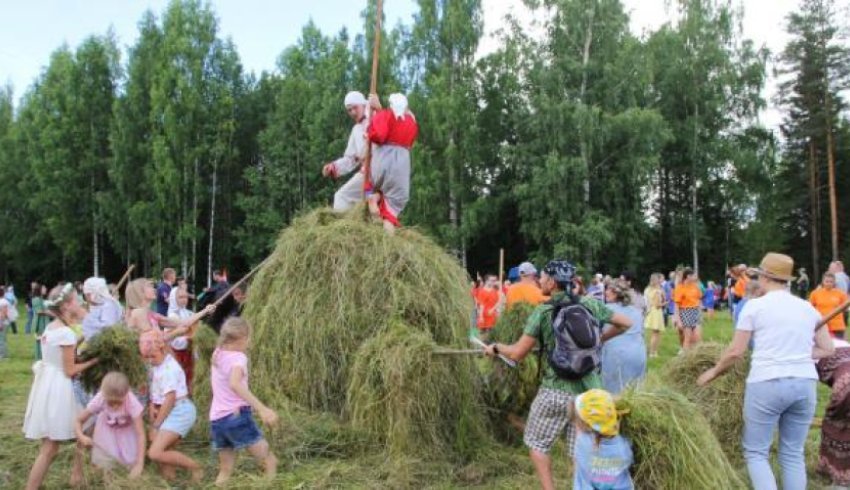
column 596, row 409
column 354, row 98
column 150, row 341
column 398, row 104
column 96, row 286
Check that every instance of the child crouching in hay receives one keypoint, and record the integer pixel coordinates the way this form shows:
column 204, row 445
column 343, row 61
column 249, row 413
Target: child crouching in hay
column 602, row 456
column 232, row 426
column 119, row 432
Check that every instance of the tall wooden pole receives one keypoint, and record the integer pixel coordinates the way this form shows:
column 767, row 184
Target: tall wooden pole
column 373, row 89
column 501, row 266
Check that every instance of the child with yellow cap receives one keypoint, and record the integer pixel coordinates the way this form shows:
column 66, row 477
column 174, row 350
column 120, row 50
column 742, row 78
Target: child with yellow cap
column 602, row 456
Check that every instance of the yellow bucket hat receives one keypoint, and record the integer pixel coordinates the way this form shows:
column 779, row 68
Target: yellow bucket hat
column 596, row 409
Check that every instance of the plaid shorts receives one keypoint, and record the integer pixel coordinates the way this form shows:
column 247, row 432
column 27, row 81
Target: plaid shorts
column 549, row 418
column 690, row 317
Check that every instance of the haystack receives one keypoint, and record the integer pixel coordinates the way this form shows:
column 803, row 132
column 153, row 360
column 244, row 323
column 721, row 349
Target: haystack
column 117, row 349
column 722, row 401
column 673, row 444
column 345, row 318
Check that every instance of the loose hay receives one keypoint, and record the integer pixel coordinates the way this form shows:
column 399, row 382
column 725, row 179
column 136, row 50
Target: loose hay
column 117, row 349
column 341, row 311
column 673, row 444
column 510, row 391
column 722, row 401
column 203, row 345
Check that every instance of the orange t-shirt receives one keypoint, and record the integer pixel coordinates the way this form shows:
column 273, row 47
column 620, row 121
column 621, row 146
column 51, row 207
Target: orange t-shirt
column 827, row 300
column 741, row 286
column 487, row 300
column 524, row 292
column 687, row 296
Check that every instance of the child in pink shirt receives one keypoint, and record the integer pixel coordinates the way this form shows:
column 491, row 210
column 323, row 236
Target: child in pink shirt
column 119, row 433
column 232, row 426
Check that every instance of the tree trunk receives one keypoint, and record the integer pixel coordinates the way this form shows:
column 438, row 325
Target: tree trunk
column 95, row 241
column 212, row 222
column 196, row 191
column 833, row 199
column 813, row 203
column 584, row 147
column 694, row 239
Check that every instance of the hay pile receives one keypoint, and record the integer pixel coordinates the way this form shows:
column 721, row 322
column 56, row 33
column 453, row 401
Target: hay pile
column 673, row 444
column 203, row 345
column 117, row 349
column 507, row 390
column 344, row 317
column 722, row 401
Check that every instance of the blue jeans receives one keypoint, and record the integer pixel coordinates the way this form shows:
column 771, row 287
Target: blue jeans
column 30, row 320
column 790, row 404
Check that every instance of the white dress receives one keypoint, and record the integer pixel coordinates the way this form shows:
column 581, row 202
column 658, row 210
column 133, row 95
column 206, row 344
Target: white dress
column 52, row 407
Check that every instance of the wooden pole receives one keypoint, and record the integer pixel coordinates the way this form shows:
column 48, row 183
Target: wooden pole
column 125, row 277
column 501, row 266
column 373, row 89
column 240, row 282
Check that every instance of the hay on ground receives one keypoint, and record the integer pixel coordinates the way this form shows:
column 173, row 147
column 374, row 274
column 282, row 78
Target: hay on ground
column 117, row 349
column 327, row 311
column 673, row 444
column 722, row 401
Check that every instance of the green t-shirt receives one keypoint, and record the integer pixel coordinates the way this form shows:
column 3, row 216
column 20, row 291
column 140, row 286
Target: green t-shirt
column 541, row 321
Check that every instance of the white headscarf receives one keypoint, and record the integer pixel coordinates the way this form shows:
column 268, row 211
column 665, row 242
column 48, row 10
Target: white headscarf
column 96, row 286
column 354, row 98
column 398, row 104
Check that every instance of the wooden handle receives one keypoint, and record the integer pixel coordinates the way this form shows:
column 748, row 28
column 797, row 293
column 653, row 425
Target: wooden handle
column 241, row 282
column 373, row 89
column 834, row 313
column 125, row 276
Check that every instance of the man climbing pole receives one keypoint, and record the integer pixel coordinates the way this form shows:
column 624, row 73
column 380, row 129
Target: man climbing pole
column 393, row 131
column 352, row 191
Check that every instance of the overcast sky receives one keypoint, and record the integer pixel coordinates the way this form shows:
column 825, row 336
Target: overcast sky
column 30, row 30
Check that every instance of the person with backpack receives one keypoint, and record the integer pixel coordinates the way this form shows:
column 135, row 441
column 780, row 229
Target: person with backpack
column 569, row 331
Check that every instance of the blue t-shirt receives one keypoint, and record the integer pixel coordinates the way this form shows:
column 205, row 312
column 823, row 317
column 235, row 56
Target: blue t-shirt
column 605, row 467
column 163, row 290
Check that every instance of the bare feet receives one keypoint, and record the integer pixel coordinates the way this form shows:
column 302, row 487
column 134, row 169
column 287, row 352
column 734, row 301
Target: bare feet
column 221, row 480
column 197, row 475
column 271, row 466
column 389, row 228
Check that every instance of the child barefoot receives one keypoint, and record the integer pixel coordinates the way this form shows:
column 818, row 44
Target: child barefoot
column 602, row 456
column 52, row 408
column 232, row 426
column 171, row 412
column 119, row 433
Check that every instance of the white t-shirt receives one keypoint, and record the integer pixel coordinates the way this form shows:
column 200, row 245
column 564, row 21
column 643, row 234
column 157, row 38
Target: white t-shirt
column 167, row 377
column 783, row 328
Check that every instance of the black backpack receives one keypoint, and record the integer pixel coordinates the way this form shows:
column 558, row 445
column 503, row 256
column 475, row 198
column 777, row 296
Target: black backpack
column 577, row 338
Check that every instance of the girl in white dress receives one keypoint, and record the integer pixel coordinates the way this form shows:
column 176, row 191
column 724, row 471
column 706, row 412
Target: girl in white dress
column 52, row 407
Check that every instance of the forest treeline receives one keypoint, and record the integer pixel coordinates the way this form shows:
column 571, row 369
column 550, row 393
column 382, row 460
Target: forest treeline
column 586, row 141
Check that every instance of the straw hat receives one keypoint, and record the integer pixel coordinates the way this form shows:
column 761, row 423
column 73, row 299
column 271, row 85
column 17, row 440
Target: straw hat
column 777, row 266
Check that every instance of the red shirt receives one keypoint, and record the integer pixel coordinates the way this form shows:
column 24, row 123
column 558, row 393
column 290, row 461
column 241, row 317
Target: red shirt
column 385, row 128
column 487, row 300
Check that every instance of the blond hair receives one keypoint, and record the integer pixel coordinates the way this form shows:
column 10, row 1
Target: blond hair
column 135, row 293
column 234, row 328
column 58, row 296
column 621, row 291
column 114, row 386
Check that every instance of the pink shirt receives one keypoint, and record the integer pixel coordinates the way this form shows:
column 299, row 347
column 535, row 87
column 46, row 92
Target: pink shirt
column 225, row 401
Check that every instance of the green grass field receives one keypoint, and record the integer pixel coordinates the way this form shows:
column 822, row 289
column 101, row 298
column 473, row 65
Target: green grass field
column 509, row 468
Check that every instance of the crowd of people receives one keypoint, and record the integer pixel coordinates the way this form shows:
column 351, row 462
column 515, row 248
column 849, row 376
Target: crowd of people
column 112, row 421
column 776, row 319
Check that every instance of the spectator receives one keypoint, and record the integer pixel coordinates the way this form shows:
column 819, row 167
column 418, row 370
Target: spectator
column 827, row 298
column 163, row 290
column 487, row 300
column 803, row 283
column 596, row 289
column 842, row 281
column 526, row 290
column 12, row 318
